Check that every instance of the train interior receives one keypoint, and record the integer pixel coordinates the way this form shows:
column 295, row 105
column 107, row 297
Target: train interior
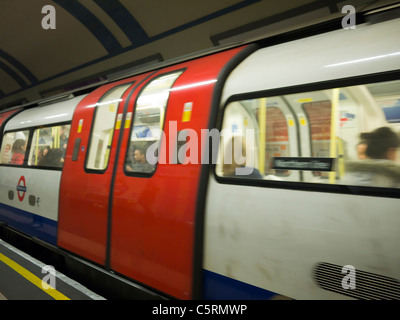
column 148, row 122
column 302, row 124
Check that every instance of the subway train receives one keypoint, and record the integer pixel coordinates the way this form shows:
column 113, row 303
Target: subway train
column 235, row 174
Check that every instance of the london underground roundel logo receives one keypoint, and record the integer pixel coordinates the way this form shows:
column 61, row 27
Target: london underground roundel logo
column 21, row 188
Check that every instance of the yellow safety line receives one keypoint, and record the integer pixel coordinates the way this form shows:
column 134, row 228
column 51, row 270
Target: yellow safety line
column 32, row 278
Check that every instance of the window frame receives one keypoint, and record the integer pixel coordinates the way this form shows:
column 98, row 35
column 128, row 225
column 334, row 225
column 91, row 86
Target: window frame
column 307, row 186
column 102, row 171
column 29, row 146
column 31, row 143
column 148, row 174
column 28, row 142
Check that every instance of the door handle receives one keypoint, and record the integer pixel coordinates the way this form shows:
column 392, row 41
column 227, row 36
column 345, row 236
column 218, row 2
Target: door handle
column 75, row 153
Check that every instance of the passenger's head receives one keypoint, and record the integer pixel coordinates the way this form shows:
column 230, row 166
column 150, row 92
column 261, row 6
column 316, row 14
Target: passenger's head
column 139, row 155
column 361, row 150
column 55, row 158
column 45, row 150
column 382, row 143
column 63, row 131
column 19, row 146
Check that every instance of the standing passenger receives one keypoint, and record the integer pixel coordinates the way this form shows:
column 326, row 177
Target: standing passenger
column 377, row 168
column 18, row 150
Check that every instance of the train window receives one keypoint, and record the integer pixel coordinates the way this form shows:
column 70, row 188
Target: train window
column 148, row 123
column 105, row 119
column 344, row 136
column 13, row 147
column 48, row 146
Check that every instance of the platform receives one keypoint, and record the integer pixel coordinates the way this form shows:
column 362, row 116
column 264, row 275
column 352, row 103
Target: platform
column 23, row 277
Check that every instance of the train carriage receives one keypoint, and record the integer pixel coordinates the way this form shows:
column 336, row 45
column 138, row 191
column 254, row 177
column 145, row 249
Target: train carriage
column 141, row 177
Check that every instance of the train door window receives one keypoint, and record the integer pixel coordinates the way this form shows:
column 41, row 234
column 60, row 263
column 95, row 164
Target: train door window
column 13, row 147
column 346, row 135
column 48, row 146
column 105, row 120
column 148, row 122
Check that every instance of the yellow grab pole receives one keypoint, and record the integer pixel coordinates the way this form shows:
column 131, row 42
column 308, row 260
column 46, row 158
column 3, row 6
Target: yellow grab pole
column 334, row 117
column 57, row 143
column 262, row 126
column 341, row 167
column 37, row 147
column 107, row 155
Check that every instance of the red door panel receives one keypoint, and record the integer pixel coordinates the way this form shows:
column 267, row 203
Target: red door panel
column 84, row 193
column 153, row 217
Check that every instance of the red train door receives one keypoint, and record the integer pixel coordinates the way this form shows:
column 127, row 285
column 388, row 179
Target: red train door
column 154, row 205
column 137, row 218
column 88, row 168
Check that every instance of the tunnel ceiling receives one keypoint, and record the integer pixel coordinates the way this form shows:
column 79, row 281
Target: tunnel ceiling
column 50, row 47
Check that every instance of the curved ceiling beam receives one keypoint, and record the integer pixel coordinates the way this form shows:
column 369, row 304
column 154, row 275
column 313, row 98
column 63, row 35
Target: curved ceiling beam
column 92, row 23
column 232, row 8
column 19, row 66
column 125, row 21
column 13, row 75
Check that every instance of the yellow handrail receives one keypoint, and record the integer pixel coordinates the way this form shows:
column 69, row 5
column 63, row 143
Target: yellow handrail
column 262, row 126
column 333, row 144
column 341, row 166
column 37, row 147
column 107, row 153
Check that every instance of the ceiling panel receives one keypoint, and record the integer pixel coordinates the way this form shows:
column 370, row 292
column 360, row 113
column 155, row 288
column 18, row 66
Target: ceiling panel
column 170, row 15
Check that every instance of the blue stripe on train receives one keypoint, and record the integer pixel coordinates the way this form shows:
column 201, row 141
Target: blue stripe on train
column 29, row 223
column 217, row 287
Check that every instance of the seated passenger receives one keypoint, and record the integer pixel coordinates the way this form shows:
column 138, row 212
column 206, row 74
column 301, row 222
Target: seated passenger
column 18, row 150
column 43, row 152
column 234, row 162
column 377, row 168
column 140, row 164
column 53, row 158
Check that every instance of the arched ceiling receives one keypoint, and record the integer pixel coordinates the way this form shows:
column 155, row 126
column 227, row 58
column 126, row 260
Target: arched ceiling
column 95, row 40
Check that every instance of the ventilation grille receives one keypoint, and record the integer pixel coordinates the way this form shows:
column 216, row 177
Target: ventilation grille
column 368, row 286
